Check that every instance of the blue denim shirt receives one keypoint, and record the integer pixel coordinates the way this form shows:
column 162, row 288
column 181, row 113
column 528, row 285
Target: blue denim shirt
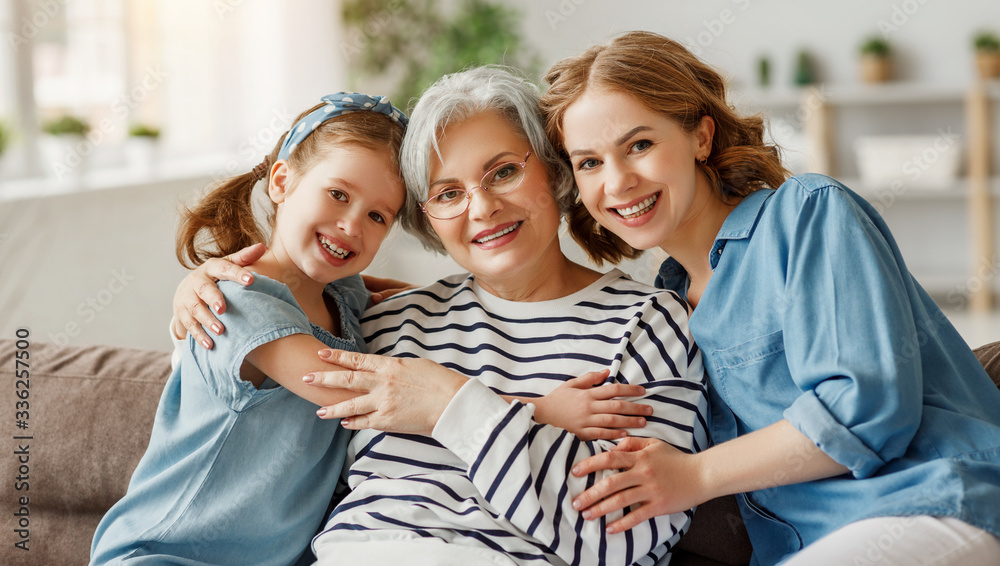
column 234, row 474
column 812, row 316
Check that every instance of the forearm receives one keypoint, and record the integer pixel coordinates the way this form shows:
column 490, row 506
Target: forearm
column 772, row 456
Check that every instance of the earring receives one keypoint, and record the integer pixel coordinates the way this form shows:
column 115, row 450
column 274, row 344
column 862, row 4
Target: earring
column 703, row 160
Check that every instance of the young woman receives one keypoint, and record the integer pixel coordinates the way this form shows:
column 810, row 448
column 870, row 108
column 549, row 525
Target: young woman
column 848, row 414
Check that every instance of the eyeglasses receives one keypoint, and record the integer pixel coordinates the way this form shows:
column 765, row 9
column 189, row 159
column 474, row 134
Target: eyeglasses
column 453, row 201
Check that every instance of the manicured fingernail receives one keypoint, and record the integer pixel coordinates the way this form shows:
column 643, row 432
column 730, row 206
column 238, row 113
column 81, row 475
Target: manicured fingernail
column 345, row 422
column 216, row 328
column 642, row 422
column 321, row 412
column 576, row 470
column 206, row 344
column 326, row 354
column 576, row 505
column 587, row 515
column 246, row 278
column 308, row 378
column 610, row 530
column 218, row 308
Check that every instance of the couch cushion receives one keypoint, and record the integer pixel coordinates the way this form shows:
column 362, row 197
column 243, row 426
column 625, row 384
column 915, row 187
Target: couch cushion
column 90, row 414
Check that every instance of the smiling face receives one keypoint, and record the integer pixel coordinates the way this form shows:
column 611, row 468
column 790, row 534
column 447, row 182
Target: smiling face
column 500, row 238
column 636, row 169
column 331, row 221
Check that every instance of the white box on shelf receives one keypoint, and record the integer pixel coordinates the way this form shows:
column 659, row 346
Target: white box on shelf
column 927, row 162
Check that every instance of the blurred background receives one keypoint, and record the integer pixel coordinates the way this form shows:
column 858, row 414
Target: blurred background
column 115, row 113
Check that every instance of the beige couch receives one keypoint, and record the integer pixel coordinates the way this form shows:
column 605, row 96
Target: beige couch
column 90, row 411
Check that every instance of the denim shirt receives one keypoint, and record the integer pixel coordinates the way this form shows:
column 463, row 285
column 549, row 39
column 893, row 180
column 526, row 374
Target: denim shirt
column 812, row 316
column 235, row 474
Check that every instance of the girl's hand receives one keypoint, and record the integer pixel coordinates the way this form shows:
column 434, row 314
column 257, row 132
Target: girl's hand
column 590, row 410
column 382, row 288
column 398, row 394
column 199, row 289
column 655, row 479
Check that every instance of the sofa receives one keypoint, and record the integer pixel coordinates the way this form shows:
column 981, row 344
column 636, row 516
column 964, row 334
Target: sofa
column 87, row 419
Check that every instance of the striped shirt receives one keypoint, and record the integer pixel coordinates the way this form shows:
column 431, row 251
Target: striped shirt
column 490, row 476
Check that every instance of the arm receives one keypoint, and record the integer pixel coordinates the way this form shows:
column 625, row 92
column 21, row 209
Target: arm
column 382, row 288
column 287, row 359
column 198, row 290
column 590, row 409
column 656, row 478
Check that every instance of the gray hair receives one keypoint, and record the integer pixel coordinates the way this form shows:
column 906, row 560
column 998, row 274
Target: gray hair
column 460, row 96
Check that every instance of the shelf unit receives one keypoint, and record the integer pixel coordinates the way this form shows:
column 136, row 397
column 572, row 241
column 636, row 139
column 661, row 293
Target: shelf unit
column 817, row 109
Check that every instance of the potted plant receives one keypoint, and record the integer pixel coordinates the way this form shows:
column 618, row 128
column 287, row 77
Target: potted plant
column 141, row 147
column 987, row 46
column 876, row 61
column 63, row 147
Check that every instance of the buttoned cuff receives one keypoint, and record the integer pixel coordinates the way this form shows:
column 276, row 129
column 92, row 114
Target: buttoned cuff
column 469, row 420
column 811, row 417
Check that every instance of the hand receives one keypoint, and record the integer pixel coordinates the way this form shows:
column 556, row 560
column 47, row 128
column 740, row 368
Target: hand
column 655, row 479
column 199, row 289
column 398, row 394
column 589, row 409
column 382, row 288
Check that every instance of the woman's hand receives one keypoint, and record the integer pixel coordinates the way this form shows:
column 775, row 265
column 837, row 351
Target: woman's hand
column 398, row 394
column 655, row 479
column 382, row 288
column 590, row 410
column 199, row 289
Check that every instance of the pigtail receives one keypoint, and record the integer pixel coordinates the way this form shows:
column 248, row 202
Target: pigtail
column 223, row 222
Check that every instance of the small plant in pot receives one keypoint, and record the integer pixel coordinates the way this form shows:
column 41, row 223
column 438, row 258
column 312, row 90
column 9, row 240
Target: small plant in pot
column 876, row 60
column 65, row 150
column 141, row 147
column 987, row 47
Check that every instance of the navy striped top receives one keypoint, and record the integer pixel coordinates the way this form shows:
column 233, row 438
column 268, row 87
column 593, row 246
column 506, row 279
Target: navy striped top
column 490, row 476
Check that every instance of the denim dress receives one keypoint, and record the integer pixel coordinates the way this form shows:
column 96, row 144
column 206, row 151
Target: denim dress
column 812, row 316
column 234, row 474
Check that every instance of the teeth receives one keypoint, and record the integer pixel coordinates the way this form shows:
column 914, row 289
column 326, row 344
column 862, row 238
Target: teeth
column 496, row 235
column 333, row 248
column 639, row 209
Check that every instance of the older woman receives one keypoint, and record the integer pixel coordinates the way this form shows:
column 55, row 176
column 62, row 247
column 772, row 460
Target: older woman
column 491, row 485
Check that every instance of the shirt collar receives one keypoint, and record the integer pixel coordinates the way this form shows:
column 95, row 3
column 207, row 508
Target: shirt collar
column 740, row 222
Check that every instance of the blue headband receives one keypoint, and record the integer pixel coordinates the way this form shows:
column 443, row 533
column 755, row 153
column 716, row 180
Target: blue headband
column 337, row 104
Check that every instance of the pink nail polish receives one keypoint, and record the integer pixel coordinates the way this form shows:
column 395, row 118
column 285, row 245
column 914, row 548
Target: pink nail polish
column 206, row 344
column 308, row 378
column 246, row 278
column 218, row 308
column 321, row 412
column 217, row 329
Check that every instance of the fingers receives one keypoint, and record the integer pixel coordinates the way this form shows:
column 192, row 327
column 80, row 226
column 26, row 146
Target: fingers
column 611, row 460
column 635, row 444
column 351, row 380
column 221, row 269
column 609, row 488
column 596, row 433
column 616, row 422
column 589, row 379
column 637, row 516
column 246, row 256
column 612, row 390
column 354, row 360
column 206, row 293
column 349, row 409
column 618, row 407
column 197, row 332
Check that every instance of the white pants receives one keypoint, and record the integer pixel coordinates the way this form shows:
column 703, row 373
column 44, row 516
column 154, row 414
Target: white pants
column 902, row 541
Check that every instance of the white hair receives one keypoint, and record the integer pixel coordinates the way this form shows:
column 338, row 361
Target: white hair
column 457, row 97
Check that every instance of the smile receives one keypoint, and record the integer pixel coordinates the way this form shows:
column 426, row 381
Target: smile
column 498, row 233
column 638, row 209
column 335, row 250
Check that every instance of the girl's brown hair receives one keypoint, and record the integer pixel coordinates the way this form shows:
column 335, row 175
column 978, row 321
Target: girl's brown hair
column 223, row 221
column 666, row 78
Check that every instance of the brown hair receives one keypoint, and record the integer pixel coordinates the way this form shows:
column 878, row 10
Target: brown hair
column 665, row 77
column 223, row 221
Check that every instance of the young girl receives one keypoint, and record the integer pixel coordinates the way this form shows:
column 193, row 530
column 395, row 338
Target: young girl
column 852, row 420
column 239, row 470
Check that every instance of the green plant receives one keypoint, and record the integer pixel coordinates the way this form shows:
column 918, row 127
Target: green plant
column 66, row 125
column 5, row 136
column 986, row 41
column 418, row 43
column 876, row 47
column 144, row 131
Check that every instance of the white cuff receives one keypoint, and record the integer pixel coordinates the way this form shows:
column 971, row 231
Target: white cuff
column 469, row 420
